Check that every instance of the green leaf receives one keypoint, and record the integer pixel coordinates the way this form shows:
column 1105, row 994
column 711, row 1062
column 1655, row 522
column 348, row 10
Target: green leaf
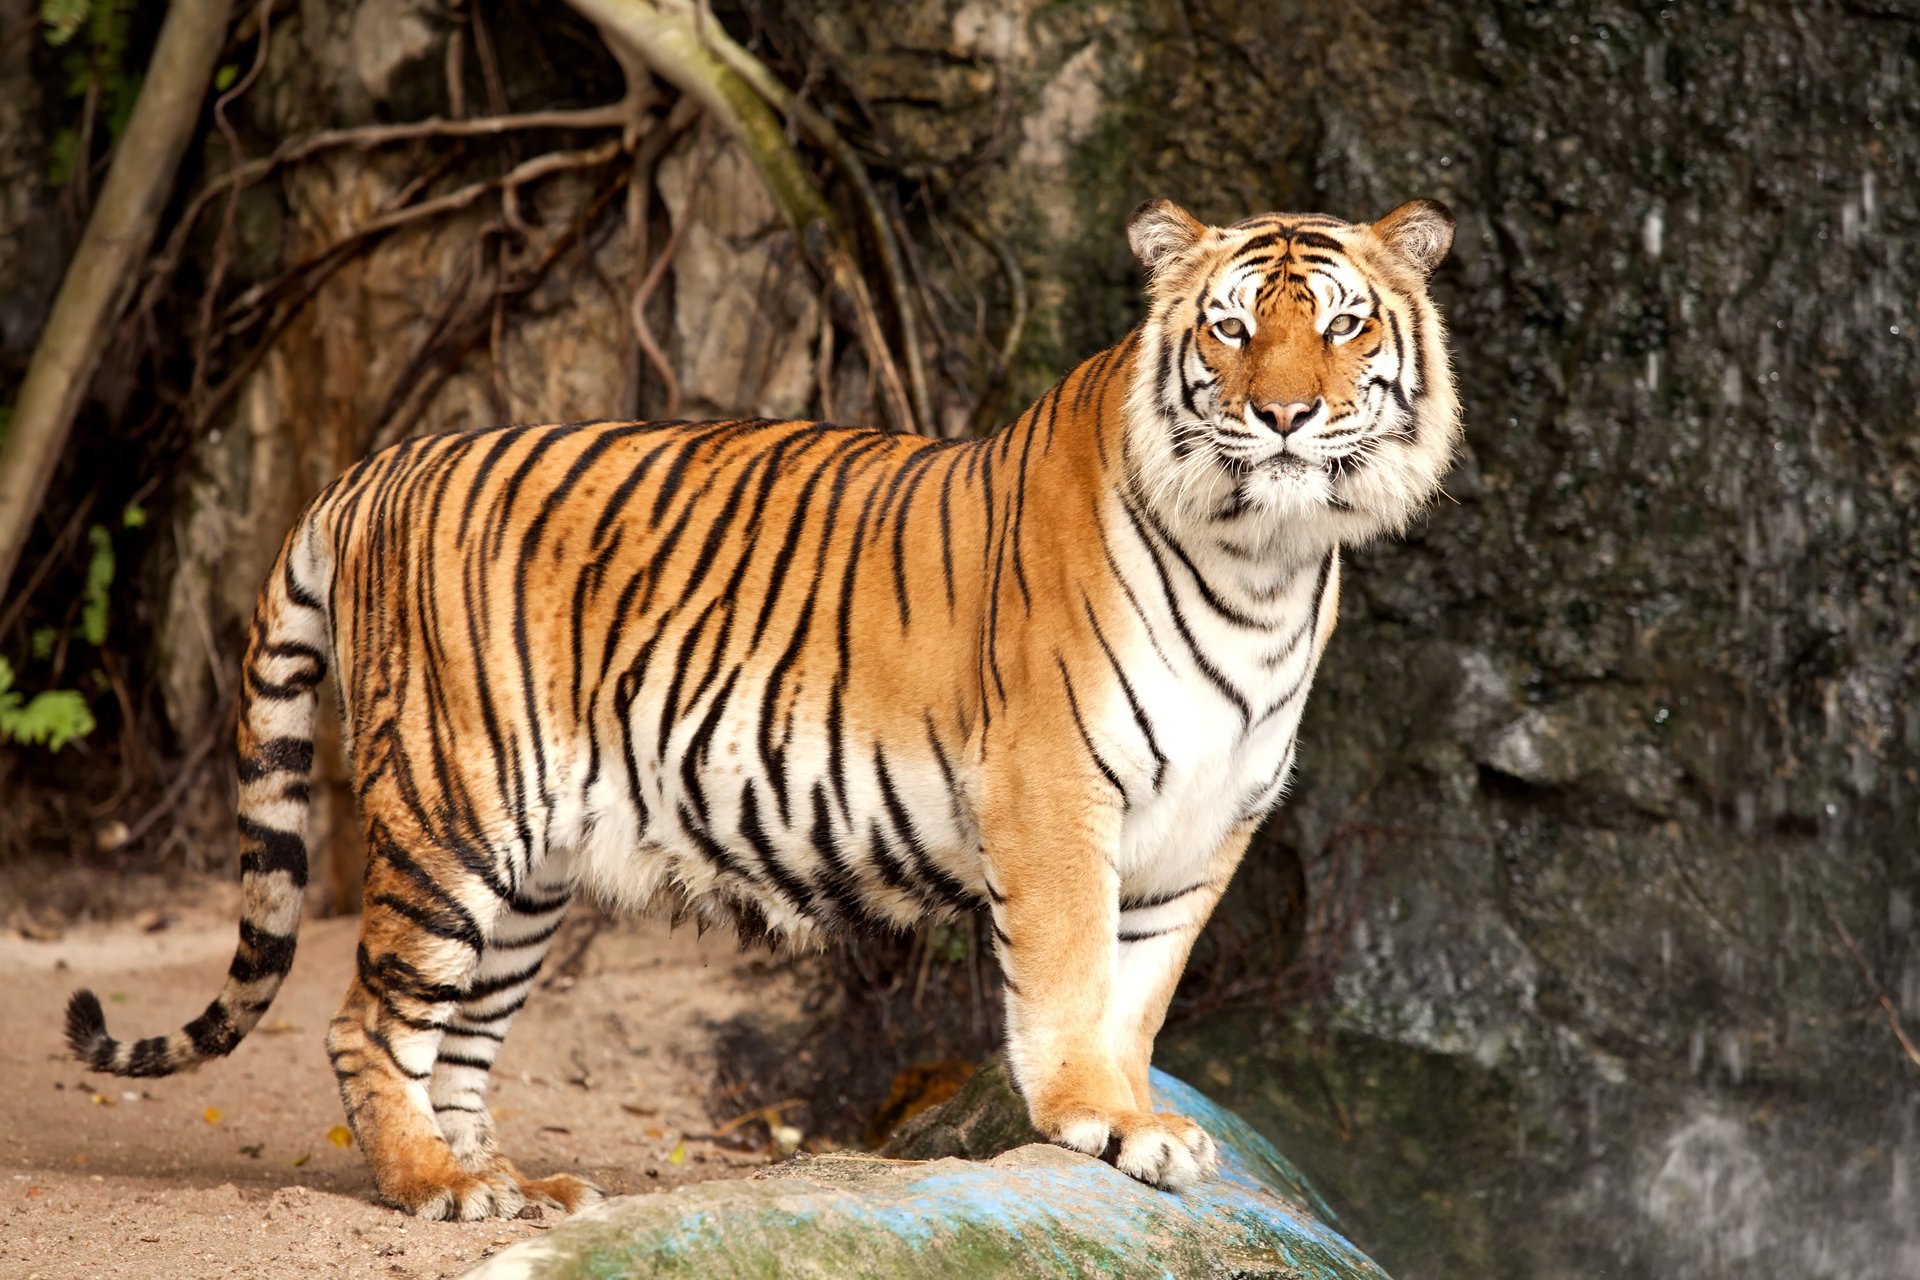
column 134, row 517
column 223, row 78
column 64, row 18
column 52, row 719
column 61, row 154
column 93, row 609
column 41, row 642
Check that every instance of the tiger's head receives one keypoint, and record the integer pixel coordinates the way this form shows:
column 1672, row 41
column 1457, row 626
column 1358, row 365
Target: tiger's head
column 1293, row 374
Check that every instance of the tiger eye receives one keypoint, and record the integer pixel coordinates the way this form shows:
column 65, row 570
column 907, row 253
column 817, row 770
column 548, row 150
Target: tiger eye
column 1341, row 326
column 1231, row 329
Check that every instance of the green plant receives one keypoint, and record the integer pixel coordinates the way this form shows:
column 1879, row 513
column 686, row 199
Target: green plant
column 55, row 717
column 93, row 597
column 52, row 718
column 93, row 35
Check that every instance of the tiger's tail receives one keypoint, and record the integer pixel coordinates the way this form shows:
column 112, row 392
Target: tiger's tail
column 285, row 664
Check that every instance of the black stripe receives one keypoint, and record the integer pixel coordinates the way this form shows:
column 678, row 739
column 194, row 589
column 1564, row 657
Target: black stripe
column 1142, row 936
column 947, row 890
column 836, row 880
column 1214, row 675
column 276, row 851
column 481, row 989
column 461, row 1060
column 1126, row 688
column 262, row 954
column 1073, row 705
column 784, row 881
column 1158, row 900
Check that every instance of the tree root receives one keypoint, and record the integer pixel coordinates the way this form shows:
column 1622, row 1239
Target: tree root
column 684, row 46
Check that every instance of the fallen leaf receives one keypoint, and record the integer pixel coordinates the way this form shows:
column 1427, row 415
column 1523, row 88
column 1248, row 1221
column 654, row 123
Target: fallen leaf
column 297, row 1161
column 118, row 997
column 34, row 1191
column 679, row 1153
column 253, row 1152
column 340, row 1136
column 211, row 1115
column 635, row 1109
column 102, row 1100
column 278, row 1027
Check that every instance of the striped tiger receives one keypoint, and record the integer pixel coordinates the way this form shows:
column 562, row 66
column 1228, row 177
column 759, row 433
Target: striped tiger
column 806, row 679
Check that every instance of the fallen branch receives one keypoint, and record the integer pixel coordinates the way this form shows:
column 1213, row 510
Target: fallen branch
column 98, row 280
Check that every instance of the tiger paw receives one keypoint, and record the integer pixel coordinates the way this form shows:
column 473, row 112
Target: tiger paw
column 1158, row 1148
column 468, row 1198
column 518, row 1195
column 563, row 1191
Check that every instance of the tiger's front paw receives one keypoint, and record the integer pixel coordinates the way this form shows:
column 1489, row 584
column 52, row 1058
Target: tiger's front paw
column 460, row 1198
column 1159, row 1148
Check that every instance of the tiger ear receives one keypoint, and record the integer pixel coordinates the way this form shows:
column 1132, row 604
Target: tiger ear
column 1420, row 231
column 1160, row 231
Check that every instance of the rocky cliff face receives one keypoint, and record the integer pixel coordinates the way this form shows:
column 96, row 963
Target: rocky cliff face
column 1611, row 750
column 1613, row 760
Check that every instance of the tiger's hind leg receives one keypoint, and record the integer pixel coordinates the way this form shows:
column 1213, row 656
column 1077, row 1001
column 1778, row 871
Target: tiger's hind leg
column 421, row 941
column 500, row 984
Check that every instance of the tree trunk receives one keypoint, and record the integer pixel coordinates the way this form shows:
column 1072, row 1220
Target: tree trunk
column 100, row 276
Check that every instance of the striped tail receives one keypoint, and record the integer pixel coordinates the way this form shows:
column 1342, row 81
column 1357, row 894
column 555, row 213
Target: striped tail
column 286, row 661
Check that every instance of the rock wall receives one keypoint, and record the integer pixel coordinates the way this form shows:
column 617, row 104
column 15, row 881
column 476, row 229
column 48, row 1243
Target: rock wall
column 1612, row 748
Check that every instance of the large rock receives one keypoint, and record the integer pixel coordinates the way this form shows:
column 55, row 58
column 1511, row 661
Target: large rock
column 1031, row 1210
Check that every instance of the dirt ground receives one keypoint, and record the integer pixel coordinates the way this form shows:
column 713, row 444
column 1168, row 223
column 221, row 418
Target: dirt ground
column 234, row 1170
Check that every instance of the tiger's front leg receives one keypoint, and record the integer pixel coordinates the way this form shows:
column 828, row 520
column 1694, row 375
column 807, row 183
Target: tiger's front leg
column 1049, row 845
column 1157, row 933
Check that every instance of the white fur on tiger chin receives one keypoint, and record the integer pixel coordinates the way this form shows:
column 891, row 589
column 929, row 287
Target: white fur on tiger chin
column 1292, row 498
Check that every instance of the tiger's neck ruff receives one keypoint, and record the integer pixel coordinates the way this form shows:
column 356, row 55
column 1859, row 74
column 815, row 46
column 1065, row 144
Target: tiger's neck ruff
column 809, row 678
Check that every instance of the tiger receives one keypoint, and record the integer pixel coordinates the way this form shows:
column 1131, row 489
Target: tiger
column 806, row 680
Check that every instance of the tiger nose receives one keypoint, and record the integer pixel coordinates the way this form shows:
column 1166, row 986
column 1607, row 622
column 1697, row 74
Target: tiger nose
column 1283, row 419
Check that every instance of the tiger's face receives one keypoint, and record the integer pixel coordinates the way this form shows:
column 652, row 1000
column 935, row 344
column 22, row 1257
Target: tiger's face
column 1295, row 374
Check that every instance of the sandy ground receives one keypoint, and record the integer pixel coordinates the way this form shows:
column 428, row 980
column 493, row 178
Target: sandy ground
column 232, row 1170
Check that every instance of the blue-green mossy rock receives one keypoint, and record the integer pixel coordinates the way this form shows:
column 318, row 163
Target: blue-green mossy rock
column 1031, row 1210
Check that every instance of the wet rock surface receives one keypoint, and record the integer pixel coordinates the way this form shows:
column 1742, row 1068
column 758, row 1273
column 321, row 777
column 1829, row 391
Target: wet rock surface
column 1012, row 1208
